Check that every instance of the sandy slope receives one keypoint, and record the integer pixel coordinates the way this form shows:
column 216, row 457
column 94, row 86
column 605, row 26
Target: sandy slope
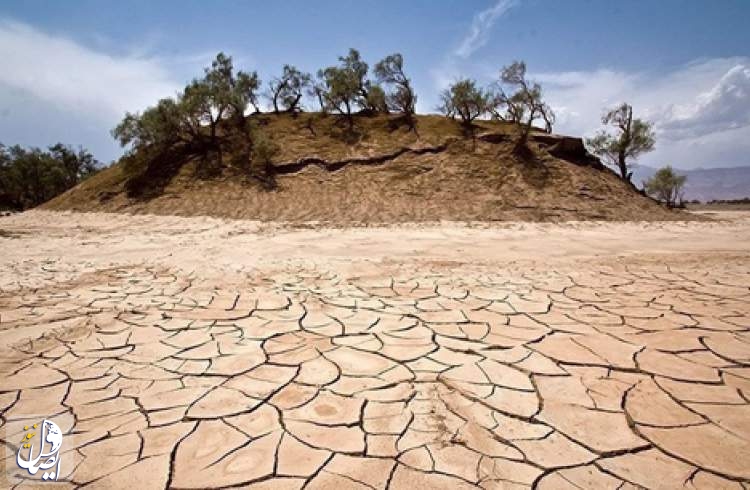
column 386, row 175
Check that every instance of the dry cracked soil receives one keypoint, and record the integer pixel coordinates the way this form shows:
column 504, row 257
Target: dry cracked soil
column 203, row 353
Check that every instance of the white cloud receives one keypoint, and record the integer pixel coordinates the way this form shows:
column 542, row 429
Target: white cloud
column 481, row 26
column 700, row 111
column 579, row 98
column 456, row 64
column 699, row 91
column 53, row 88
column 70, row 76
column 442, row 76
column 725, row 106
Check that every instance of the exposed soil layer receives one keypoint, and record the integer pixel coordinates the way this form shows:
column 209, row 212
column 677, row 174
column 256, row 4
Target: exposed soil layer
column 383, row 172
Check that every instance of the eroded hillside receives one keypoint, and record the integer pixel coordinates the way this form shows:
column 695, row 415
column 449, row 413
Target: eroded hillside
column 382, row 171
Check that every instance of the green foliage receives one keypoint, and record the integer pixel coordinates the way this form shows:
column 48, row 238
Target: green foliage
column 204, row 121
column 523, row 104
column 390, row 71
column 346, row 86
column 29, row 177
column 357, row 69
column 666, row 186
column 287, row 91
column 376, row 99
column 318, row 90
column 340, row 89
column 157, row 126
column 632, row 138
column 465, row 100
column 261, row 160
column 76, row 166
column 194, row 116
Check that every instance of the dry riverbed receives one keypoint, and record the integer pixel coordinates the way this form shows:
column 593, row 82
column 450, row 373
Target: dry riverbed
column 200, row 352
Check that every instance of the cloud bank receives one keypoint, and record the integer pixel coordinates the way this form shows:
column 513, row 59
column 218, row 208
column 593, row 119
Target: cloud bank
column 73, row 77
column 724, row 106
column 700, row 111
column 53, row 88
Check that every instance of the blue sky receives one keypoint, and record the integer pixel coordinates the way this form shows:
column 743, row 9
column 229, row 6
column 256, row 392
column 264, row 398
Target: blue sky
column 72, row 68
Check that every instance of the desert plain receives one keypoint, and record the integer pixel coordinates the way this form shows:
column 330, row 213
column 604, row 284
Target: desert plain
column 190, row 352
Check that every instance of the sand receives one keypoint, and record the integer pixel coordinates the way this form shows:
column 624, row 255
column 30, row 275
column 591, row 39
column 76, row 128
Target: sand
column 203, row 352
column 213, row 245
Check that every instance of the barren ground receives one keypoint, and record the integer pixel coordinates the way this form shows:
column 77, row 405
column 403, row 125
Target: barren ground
column 380, row 173
column 199, row 352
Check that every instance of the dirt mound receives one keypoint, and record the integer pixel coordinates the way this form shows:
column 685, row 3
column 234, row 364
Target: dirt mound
column 382, row 171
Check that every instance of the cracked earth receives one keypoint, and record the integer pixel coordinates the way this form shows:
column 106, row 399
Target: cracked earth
column 199, row 353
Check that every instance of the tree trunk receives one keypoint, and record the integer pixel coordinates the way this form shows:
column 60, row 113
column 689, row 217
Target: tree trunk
column 349, row 117
column 293, row 106
column 623, row 166
column 521, row 146
column 525, row 131
column 213, row 134
column 624, row 145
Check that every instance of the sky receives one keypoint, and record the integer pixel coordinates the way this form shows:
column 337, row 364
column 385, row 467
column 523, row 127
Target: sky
column 70, row 70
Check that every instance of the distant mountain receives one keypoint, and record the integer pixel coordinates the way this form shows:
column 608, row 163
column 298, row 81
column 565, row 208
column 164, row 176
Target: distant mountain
column 706, row 184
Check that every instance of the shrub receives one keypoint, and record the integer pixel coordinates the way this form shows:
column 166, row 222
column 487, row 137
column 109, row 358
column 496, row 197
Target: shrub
column 666, row 186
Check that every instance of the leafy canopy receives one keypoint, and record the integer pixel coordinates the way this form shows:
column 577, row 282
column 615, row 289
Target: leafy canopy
column 286, row 91
column 31, row 176
column 666, row 185
column 346, row 85
column 630, row 139
column 193, row 117
column 520, row 101
column 465, row 100
column 390, row 71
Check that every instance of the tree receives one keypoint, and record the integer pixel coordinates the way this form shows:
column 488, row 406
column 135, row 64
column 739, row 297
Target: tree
column 666, row 186
column 9, row 184
column 549, row 120
column 161, row 125
column 318, row 90
column 524, row 105
column 29, row 177
column 376, row 99
column 341, row 90
column 357, row 69
column 288, row 89
column 33, row 175
column 204, row 122
column 345, row 86
column 633, row 138
column 76, row 166
column 191, row 121
column 465, row 100
column 390, row 71
column 220, row 95
column 261, row 161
